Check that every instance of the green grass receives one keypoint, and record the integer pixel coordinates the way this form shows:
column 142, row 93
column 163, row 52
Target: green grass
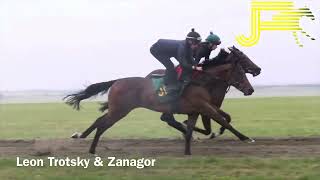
column 178, row 169
column 287, row 116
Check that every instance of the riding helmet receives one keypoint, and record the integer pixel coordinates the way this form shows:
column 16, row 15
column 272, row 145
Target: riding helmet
column 213, row 38
column 193, row 35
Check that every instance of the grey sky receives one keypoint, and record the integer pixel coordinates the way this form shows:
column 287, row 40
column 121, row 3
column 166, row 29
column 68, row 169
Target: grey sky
column 66, row 44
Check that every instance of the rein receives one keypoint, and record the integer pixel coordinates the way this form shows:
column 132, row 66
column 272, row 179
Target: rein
column 234, row 66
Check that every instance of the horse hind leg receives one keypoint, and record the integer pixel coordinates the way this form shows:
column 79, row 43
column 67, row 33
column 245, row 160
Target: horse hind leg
column 88, row 131
column 206, row 121
column 206, row 124
column 105, row 123
column 171, row 121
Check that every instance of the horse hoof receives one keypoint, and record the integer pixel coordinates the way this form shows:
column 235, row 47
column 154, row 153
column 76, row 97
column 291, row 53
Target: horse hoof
column 249, row 140
column 76, row 135
column 92, row 152
column 198, row 140
column 213, row 135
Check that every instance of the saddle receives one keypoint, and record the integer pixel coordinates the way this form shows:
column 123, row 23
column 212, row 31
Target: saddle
column 165, row 93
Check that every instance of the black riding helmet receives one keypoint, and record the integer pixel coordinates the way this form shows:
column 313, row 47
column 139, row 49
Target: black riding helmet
column 194, row 36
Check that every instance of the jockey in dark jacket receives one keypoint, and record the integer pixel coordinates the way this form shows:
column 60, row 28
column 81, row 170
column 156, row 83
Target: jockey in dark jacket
column 205, row 48
column 182, row 50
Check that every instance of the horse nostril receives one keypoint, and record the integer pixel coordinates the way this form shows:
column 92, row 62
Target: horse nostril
column 257, row 73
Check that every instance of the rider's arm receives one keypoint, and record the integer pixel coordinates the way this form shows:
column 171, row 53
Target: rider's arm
column 185, row 62
column 202, row 53
column 198, row 56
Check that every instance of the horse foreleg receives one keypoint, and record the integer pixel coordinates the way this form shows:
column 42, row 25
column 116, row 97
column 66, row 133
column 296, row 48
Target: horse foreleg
column 192, row 119
column 213, row 112
column 227, row 118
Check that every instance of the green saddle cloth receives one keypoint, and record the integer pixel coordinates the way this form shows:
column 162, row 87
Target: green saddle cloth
column 164, row 95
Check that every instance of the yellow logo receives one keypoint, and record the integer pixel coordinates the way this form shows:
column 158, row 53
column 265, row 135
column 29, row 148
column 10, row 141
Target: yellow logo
column 287, row 19
column 162, row 91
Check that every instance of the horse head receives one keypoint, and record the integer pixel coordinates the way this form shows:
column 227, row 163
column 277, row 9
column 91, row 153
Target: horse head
column 231, row 72
column 245, row 61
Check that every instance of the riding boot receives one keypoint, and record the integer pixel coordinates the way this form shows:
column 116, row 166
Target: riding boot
column 171, row 82
column 186, row 79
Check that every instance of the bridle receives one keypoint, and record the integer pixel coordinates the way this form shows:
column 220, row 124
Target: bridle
column 233, row 59
column 234, row 66
column 234, row 63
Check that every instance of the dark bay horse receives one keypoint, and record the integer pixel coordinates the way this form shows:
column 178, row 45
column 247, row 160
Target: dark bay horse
column 217, row 92
column 129, row 93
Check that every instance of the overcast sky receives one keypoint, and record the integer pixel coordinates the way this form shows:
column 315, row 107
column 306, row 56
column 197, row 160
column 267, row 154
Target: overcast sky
column 67, row 44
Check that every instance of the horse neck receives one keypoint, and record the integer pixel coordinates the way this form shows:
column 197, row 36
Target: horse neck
column 221, row 72
column 218, row 92
column 215, row 81
column 218, row 87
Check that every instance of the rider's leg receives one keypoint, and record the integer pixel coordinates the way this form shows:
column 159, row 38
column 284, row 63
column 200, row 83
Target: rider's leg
column 185, row 79
column 171, row 75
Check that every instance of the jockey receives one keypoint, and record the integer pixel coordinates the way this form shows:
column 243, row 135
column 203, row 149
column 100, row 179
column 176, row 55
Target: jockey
column 182, row 50
column 205, row 48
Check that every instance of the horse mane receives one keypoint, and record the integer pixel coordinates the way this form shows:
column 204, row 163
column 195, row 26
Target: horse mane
column 220, row 59
column 220, row 63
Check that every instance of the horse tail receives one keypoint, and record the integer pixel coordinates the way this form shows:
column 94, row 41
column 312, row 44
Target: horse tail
column 92, row 90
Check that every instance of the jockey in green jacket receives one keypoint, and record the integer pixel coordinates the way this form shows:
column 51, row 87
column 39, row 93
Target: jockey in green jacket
column 211, row 43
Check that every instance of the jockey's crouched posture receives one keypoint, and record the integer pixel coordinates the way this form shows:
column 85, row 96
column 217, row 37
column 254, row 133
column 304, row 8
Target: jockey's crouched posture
column 182, row 50
column 203, row 51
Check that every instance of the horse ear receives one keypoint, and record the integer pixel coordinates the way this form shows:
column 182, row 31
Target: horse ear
column 230, row 49
column 224, row 51
column 235, row 48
